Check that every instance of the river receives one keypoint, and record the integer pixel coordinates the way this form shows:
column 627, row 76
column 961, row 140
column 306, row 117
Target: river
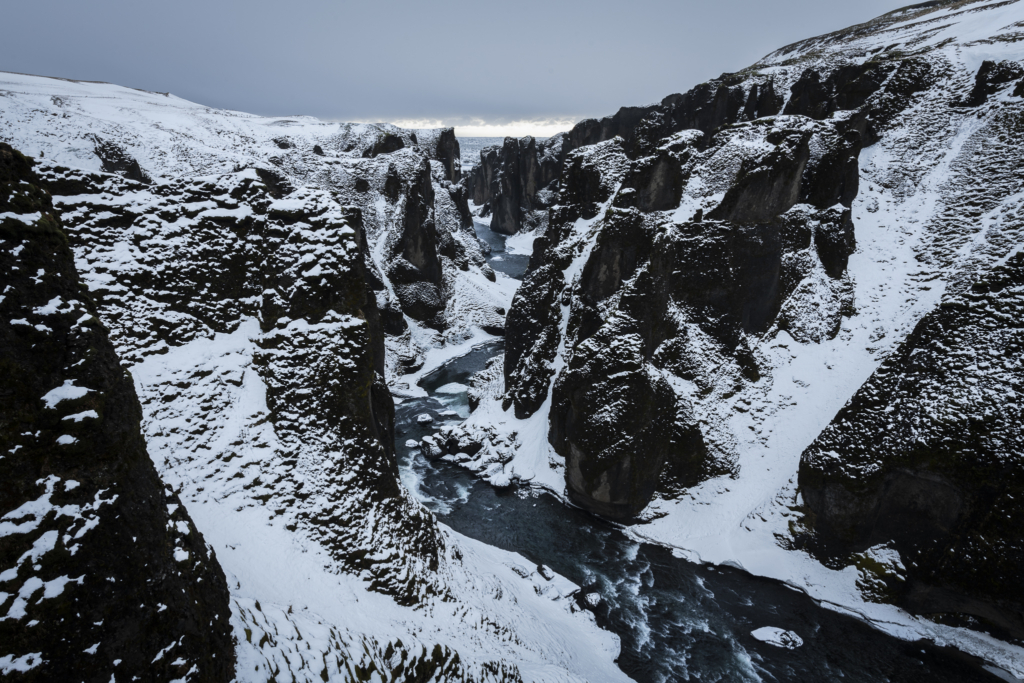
column 676, row 620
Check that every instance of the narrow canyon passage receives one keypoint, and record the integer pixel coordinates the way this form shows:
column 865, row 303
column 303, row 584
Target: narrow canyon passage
column 677, row 620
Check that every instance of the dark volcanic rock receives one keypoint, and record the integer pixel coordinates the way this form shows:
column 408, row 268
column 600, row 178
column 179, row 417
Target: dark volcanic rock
column 385, row 143
column 990, row 78
column 928, row 456
column 447, row 152
column 517, row 182
column 664, row 299
column 103, row 572
column 508, row 180
column 415, row 267
column 727, row 220
column 848, row 87
column 531, row 339
column 115, row 160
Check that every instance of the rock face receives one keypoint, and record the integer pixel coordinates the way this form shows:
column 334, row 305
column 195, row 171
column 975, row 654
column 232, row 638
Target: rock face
column 991, row 75
column 264, row 286
column 723, row 270
column 681, row 255
column 298, row 264
column 420, row 239
column 517, row 182
column 928, row 456
column 103, row 572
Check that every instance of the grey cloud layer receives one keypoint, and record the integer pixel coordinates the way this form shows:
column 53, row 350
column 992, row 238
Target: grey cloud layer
column 454, row 60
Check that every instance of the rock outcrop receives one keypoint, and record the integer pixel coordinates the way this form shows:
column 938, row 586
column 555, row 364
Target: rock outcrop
column 262, row 289
column 103, row 575
column 702, row 303
column 690, row 227
column 928, row 458
column 516, row 182
column 681, row 256
column 298, row 264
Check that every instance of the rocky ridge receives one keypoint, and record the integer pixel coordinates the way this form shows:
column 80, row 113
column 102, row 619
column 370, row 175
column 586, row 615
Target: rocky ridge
column 104, row 572
column 172, row 264
column 925, row 459
column 681, row 256
column 517, row 182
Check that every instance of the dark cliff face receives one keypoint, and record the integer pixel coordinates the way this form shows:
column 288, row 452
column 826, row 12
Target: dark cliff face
column 103, row 573
column 687, row 235
column 508, row 177
column 693, row 224
column 708, row 106
column 416, row 218
column 654, row 289
column 928, row 455
column 517, row 182
column 446, row 150
column 415, row 266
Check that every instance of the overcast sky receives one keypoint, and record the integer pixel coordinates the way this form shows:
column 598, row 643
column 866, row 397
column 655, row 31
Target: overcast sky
column 488, row 68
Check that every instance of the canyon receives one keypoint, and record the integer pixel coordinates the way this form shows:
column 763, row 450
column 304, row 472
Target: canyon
column 767, row 330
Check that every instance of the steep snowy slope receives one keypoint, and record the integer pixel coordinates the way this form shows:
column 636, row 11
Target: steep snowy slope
column 774, row 319
column 253, row 306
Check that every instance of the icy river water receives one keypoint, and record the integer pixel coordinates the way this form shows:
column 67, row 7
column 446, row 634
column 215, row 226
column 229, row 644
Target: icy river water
column 676, row 620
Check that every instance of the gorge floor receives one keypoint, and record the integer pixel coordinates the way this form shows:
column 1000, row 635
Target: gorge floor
column 677, row 620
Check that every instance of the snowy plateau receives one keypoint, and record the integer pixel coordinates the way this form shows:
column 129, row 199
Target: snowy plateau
column 753, row 325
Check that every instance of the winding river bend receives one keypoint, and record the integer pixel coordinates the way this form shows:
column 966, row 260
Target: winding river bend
column 676, row 620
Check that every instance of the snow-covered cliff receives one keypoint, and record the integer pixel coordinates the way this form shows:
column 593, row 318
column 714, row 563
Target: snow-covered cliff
column 262, row 280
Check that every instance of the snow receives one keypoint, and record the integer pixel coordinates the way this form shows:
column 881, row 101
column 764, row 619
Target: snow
column 66, row 392
column 778, row 637
column 26, row 218
column 78, row 417
column 10, row 664
column 294, row 579
column 522, row 242
column 290, row 578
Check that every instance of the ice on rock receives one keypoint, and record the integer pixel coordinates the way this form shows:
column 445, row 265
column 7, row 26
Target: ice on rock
column 778, row 637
